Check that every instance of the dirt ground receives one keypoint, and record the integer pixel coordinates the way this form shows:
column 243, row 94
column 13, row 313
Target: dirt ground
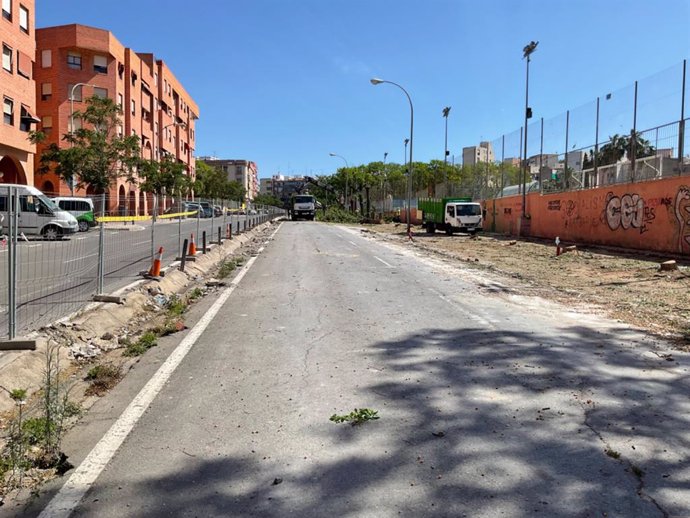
column 622, row 284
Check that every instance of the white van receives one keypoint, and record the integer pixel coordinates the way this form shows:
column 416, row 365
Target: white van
column 38, row 215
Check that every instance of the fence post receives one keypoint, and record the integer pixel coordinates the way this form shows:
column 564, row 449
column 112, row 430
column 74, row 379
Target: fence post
column 681, row 126
column 101, row 250
column 633, row 139
column 220, row 237
column 596, row 149
column 183, row 257
column 203, row 242
column 12, row 214
column 566, row 174
column 153, row 226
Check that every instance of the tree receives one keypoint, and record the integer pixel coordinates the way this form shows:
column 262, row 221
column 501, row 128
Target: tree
column 167, row 176
column 619, row 145
column 211, row 182
column 96, row 156
column 268, row 199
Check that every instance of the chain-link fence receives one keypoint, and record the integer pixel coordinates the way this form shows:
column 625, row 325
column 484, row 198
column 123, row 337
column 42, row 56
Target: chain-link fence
column 635, row 133
column 52, row 265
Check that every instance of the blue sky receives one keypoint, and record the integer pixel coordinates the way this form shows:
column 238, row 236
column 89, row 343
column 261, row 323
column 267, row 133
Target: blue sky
column 285, row 82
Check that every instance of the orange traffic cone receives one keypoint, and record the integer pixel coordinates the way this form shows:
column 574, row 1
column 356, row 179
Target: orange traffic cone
column 192, row 247
column 155, row 270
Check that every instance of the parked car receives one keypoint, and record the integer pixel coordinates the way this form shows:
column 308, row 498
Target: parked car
column 80, row 208
column 37, row 214
column 183, row 207
column 206, row 209
column 218, row 211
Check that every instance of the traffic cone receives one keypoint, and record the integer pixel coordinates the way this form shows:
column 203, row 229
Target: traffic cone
column 155, row 270
column 192, row 247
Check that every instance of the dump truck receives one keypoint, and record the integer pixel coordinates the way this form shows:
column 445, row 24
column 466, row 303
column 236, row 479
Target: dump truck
column 451, row 215
column 302, row 206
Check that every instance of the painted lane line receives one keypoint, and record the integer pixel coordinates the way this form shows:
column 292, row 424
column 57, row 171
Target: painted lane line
column 471, row 316
column 73, row 491
column 384, row 262
column 81, row 258
column 353, row 244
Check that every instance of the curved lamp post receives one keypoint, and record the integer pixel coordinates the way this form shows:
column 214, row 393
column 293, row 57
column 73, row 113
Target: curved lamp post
column 446, row 111
column 346, row 175
column 376, row 81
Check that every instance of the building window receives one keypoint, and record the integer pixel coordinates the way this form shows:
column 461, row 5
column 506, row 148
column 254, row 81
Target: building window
column 47, row 122
column 6, row 58
column 119, row 100
column 156, row 129
column 8, row 111
column 46, row 59
column 74, row 93
column 134, row 107
column 24, row 19
column 74, row 60
column 7, row 9
column 155, row 79
column 100, row 92
column 46, row 91
column 100, row 64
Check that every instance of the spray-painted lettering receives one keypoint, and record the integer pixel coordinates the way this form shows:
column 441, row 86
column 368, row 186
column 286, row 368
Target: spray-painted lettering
column 627, row 211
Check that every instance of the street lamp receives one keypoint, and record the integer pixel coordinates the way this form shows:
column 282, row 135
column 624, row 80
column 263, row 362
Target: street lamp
column 71, row 124
column 446, row 111
column 527, row 52
column 347, row 166
column 375, row 81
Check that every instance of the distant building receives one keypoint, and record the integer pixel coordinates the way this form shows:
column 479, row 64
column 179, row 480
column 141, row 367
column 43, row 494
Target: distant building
column 243, row 171
column 512, row 161
column 478, row 154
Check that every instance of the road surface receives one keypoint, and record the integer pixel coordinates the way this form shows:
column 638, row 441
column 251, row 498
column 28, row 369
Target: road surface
column 491, row 404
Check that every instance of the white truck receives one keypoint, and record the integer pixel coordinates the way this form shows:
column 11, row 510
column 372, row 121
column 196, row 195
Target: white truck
column 451, row 215
column 303, row 206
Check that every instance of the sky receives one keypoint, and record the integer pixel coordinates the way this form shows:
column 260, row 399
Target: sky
column 284, row 83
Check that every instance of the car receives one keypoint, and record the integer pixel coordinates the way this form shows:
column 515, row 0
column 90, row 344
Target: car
column 218, row 211
column 80, row 208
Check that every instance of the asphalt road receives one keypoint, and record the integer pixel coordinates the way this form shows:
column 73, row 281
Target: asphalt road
column 58, row 278
column 491, row 404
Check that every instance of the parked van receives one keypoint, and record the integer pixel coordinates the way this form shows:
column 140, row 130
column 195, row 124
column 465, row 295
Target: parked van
column 37, row 215
column 80, row 208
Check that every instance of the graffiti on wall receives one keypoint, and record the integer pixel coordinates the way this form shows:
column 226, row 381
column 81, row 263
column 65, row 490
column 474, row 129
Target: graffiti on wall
column 628, row 212
column 682, row 212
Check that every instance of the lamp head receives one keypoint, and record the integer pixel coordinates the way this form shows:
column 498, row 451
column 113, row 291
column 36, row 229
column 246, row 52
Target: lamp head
column 332, row 154
column 446, row 110
column 376, row 81
column 529, row 48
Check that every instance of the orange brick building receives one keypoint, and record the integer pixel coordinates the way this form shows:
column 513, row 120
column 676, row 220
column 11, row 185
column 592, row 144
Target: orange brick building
column 17, row 91
column 88, row 61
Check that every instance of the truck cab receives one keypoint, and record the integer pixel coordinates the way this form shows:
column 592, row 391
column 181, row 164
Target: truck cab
column 463, row 217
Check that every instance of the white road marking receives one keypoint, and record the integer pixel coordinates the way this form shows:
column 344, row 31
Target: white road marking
column 141, row 242
column 384, row 262
column 73, row 491
column 472, row 316
column 353, row 244
column 81, row 258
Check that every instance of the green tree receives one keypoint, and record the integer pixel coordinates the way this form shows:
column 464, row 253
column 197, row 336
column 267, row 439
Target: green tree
column 268, row 199
column 619, row 145
column 96, row 156
column 167, row 176
column 213, row 183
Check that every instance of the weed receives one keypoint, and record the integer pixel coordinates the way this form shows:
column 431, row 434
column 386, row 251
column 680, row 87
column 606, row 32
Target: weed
column 18, row 394
column 612, row 453
column 146, row 341
column 176, row 306
column 357, row 416
column 227, row 267
column 37, row 430
column 338, row 215
column 195, row 294
column 102, row 377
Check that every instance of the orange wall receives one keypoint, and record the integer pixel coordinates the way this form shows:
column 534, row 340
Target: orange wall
column 652, row 215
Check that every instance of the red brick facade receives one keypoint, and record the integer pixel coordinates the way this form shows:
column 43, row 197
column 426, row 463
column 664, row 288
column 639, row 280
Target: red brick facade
column 154, row 104
column 17, row 92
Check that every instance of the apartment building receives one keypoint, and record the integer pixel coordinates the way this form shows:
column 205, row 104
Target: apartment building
column 282, row 187
column 17, row 90
column 480, row 154
column 76, row 62
column 243, row 171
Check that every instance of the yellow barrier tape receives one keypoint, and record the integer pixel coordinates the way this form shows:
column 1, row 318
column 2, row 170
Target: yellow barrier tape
column 121, row 219
column 177, row 214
